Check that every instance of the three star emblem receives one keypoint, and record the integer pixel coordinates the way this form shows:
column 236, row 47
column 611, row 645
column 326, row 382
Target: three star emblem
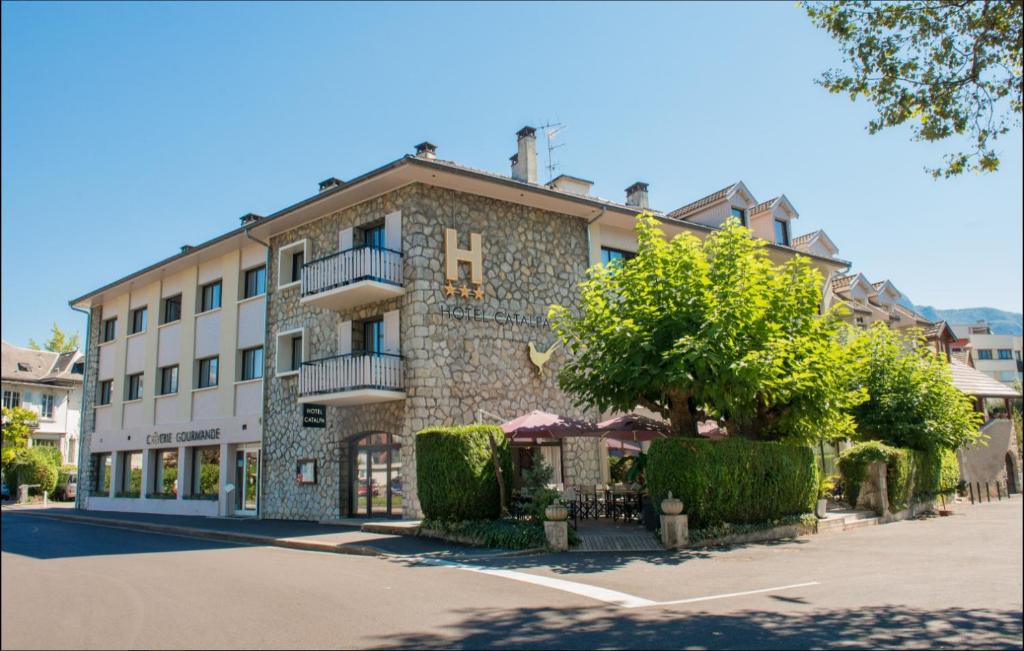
column 464, row 291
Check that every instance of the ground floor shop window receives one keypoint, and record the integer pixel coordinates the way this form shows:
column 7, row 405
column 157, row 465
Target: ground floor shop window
column 523, row 457
column 101, row 473
column 375, row 476
column 165, row 473
column 131, row 474
column 206, row 471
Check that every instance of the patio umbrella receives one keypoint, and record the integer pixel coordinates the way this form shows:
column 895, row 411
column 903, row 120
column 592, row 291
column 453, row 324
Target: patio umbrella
column 633, row 427
column 540, row 424
column 625, row 446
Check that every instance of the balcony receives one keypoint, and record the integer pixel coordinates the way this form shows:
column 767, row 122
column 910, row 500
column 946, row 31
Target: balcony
column 353, row 379
column 356, row 276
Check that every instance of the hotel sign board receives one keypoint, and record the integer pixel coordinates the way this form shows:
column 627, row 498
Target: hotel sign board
column 314, row 416
column 188, row 436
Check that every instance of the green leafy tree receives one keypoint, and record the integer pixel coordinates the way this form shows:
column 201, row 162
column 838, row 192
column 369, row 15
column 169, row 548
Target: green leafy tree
column 713, row 329
column 59, row 341
column 18, row 424
column 912, row 401
column 947, row 69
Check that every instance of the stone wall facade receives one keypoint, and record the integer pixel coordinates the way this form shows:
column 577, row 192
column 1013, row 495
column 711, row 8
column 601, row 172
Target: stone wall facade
column 86, row 471
column 460, row 363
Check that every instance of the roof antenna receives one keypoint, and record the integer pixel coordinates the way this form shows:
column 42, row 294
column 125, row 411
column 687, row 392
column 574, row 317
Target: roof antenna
column 552, row 129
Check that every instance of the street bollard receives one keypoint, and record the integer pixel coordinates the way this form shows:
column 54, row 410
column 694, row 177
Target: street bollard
column 970, row 487
column 988, row 495
column 46, row 499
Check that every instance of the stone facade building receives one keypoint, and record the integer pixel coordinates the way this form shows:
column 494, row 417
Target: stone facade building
column 417, row 295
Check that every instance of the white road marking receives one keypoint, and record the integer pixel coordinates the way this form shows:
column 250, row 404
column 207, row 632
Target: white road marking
column 614, row 597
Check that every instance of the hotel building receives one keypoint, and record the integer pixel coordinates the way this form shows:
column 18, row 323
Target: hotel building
column 282, row 369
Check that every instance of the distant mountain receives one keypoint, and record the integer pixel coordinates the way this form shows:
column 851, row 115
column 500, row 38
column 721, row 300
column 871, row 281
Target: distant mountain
column 1002, row 322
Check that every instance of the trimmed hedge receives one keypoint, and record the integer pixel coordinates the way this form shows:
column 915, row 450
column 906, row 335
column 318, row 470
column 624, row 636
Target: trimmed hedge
column 935, row 474
column 455, row 473
column 911, row 475
column 734, row 480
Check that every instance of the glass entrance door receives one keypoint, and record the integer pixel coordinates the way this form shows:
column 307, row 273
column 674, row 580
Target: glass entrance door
column 376, row 485
column 247, row 480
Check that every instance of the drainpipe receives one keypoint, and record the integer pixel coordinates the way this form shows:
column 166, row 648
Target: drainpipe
column 266, row 346
column 589, row 223
column 81, row 411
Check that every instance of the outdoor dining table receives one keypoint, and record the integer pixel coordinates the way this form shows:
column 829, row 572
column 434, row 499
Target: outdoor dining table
column 609, row 503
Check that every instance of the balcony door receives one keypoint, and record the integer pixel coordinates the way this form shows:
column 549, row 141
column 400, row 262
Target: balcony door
column 374, row 476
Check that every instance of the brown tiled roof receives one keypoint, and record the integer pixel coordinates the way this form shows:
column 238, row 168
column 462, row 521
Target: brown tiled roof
column 27, row 365
column 842, row 282
column 912, row 314
column 803, row 239
column 857, row 307
column 763, row 206
column 975, row 383
column 702, row 202
column 963, row 356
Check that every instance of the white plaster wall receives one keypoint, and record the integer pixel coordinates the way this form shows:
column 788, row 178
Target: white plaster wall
column 104, row 418
column 251, row 323
column 171, row 286
column 106, row 361
column 206, row 508
column 208, row 335
column 169, row 346
column 138, row 299
column 253, row 255
column 166, row 409
column 714, row 215
column 618, row 238
column 210, row 270
column 133, row 414
column 249, row 398
column 135, row 354
column 204, row 404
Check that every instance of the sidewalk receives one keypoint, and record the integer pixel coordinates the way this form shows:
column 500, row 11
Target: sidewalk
column 310, row 536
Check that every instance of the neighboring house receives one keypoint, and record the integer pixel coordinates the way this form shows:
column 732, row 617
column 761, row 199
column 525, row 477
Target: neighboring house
column 50, row 385
column 998, row 356
column 866, row 302
column 406, row 297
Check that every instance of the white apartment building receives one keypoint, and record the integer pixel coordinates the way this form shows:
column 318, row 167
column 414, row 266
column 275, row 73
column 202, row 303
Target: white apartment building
column 50, row 385
column 998, row 356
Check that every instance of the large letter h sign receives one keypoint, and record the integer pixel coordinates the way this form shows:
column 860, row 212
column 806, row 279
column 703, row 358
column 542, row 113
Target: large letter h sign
column 473, row 256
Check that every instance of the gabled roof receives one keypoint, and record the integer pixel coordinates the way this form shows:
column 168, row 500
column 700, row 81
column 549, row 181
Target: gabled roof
column 910, row 314
column 854, row 306
column 975, row 383
column 714, row 197
column 27, row 365
column 844, row 283
column 806, row 241
column 940, row 330
column 776, row 203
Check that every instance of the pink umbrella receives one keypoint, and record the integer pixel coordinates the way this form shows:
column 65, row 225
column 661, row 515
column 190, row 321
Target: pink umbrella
column 633, row 427
column 625, row 446
column 540, row 424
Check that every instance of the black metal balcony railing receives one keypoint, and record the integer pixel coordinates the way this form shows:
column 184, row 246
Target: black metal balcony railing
column 351, row 266
column 351, row 372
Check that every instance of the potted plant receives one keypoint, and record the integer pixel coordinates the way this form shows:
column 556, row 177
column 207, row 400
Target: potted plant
column 825, row 486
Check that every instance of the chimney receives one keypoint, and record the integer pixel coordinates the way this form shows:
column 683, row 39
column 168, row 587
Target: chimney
column 186, row 247
column 330, row 184
column 636, row 195
column 250, row 218
column 426, row 150
column 524, row 163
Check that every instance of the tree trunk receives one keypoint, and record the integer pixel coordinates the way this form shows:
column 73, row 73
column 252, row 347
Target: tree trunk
column 495, row 458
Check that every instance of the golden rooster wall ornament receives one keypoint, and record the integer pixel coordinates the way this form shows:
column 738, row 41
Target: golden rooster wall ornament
column 540, row 358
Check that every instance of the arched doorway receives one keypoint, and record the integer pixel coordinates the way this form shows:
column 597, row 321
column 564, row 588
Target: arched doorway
column 1011, row 475
column 375, row 483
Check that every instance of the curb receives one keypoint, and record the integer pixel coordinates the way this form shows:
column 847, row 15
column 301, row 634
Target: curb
column 192, row 532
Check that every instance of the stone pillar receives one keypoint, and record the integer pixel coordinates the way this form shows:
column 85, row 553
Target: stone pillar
column 226, row 500
column 557, row 534
column 148, row 470
column 675, row 531
column 184, row 473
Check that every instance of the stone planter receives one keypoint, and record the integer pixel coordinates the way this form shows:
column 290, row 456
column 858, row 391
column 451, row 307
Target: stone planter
column 556, row 512
column 821, row 509
column 671, row 505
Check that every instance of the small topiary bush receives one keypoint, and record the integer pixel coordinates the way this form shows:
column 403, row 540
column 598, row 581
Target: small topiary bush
column 455, row 477
column 734, row 480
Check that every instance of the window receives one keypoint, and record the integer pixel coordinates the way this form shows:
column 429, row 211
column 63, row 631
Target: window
column 782, row 232
column 1007, row 376
column 105, row 390
column 134, row 387
column 252, row 363
column 168, row 380
column 208, row 372
column 139, row 319
column 255, row 282
column 289, row 261
column 44, row 443
column 130, row 469
column 209, row 297
column 78, row 367
column 290, row 352
column 206, row 471
column 1005, row 353
column 12, row 399
column 109, row 330
column 740, row 214
column 373, row 336
column 296, row 352
column 46, row 406
column 984, row 354
column 171, row 309
column 101, row 473
column 609, row 255
column 374, row 236
column 165, row 473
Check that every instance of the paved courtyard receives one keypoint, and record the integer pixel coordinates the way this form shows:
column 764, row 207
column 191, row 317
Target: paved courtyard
column 939, row 582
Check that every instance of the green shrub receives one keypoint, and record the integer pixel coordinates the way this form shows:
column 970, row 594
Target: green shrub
column 504, row 534
column 733, row 480
column 52, row 452
column 935, row 474
column 35, row 466
column 853, row 465
column 455, row 477
column 535, row 486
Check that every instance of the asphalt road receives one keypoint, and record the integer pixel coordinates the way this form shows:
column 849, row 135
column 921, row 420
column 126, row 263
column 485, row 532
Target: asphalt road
column 941, row 582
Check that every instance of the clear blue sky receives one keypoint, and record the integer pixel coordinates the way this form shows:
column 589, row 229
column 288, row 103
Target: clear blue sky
column 129, row 130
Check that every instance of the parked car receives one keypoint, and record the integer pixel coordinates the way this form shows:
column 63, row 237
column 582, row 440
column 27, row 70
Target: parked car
column 67, row 486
